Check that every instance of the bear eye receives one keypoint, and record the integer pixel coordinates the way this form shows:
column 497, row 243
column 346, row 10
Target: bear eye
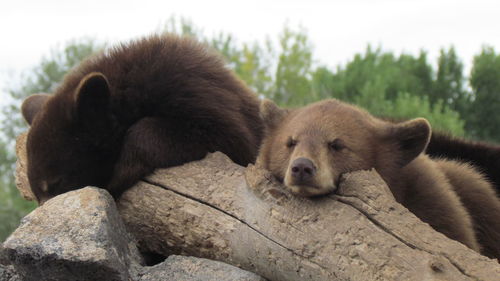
column 337, row 145
column 291, row 142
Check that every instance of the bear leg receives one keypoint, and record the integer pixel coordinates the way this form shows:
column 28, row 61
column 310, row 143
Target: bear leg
column 431, row 197
column 149, row 144
column 479, row 197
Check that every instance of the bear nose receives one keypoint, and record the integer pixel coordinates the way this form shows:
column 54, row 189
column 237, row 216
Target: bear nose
column 303, row 169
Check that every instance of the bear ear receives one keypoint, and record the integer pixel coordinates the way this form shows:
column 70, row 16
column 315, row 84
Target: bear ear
column 271, row 114
column 92, row 99
column 411, row 138
column 32, row 105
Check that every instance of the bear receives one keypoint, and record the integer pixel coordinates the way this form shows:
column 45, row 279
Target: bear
column 155, row 102
column 309, row 148
column 485, row 156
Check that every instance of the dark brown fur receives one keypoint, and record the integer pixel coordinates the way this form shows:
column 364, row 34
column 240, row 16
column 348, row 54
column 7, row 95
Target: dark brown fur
column 485, row 156
column 338, row 138
column 156, row 102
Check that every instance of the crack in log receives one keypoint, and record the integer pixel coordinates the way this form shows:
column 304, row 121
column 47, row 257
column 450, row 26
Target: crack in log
column 375, row 222
column 388, row 231
column 458, row 267
column 238, row 219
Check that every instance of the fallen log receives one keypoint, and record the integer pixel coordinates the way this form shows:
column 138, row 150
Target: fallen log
column 206, row 209
column 216, row 209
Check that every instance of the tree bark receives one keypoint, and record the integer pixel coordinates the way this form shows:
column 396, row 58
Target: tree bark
column 216, row 209
column 22, row 182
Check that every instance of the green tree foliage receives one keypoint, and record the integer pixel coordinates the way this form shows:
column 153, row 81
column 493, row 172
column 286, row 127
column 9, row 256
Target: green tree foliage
column 279, row 71
column 292, row 79
column 398, row 87
column 485, row 83
column 406, row 106
column 12, row 206
column 441, row 117
column 449, row 85
column 326, row 85
column 403, row 73
column 251, row 61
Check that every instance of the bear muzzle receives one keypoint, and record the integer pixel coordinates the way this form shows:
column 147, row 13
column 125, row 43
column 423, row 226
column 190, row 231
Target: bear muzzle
column 304, row 178
column 302, row 171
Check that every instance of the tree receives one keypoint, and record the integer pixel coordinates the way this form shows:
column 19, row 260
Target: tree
column 290, row 83
column 485, row 83
column 293, row 71
column 251, row 61
column 441, row 116
column 389, row 86
column 324, row 84
column 405, row 73
column 449, row 85
column 406, row 106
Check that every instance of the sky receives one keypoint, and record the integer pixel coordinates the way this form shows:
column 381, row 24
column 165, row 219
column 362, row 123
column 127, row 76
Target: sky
column 29, row 29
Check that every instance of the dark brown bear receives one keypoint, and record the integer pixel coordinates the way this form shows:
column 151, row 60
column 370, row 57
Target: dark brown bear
column 309, row 149
column 156, row 102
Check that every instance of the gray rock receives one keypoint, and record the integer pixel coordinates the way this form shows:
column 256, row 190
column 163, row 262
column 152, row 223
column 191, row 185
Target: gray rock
column 75, row 236
column 7, row 273
column 177, row 268
column 3, row 256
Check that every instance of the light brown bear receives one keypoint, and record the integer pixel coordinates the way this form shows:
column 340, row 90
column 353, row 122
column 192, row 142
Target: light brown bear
column 309, row 148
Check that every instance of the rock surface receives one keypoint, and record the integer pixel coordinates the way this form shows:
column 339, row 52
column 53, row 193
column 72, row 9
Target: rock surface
column 75, row 236
column 3, row 256
column 7, row 273
column 177, row 268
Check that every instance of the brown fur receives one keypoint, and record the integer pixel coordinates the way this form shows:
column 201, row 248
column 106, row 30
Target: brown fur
column 485, row 156
column 338, row 138
column 479, row 199
column 156, row 102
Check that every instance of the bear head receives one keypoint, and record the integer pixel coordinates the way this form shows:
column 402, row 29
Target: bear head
column 309, row 148
column 69, row 137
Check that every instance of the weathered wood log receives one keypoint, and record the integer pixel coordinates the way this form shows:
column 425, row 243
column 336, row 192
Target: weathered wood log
column 22, row 182
column 215, row 209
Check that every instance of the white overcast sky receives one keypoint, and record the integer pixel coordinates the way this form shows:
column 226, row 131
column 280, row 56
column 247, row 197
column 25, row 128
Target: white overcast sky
column 29, row 29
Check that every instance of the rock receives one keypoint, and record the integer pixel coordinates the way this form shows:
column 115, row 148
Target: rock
column 3, row 256
column 195, row 269
column 7, row 273
column 75, row 236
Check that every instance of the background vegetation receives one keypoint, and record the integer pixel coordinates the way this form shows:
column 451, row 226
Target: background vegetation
column 396, row 86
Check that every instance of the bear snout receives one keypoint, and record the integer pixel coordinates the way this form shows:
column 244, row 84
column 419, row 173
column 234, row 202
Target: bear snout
column 302, row 170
